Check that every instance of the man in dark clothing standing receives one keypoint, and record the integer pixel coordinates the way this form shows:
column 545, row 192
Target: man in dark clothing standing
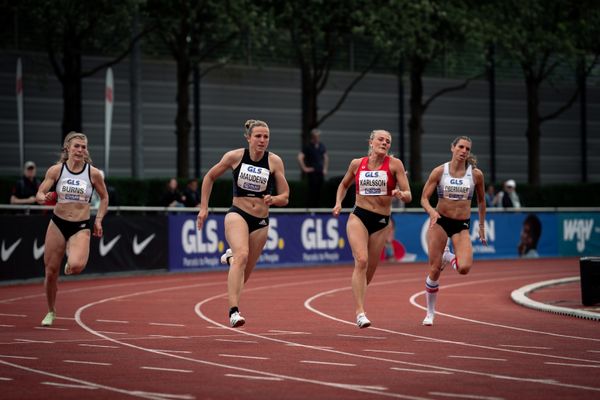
column 26, row 186
column 314, row 162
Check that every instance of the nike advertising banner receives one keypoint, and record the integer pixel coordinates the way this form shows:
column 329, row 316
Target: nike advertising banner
column 293, row 239
column 129, row 243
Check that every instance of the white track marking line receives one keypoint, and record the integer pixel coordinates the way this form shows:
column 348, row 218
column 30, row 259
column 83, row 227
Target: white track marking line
column 164, row 324
column 573, row 365
column 593, row 351
column 236, row 340
column 327, row 363
column 33, row 341
column 175, row 351
column 87, row 362
column 7, row 326
column 525, row 347
column 68, row 385
column 163, row 396
column 362, row 336
column 316, row 347
column 48, row 328
column 112, row 321
column 252, row 377
column 103, row 346
column 114, row 333
column 66, row 318
column 388, row 351
column 19, row 357
column 289, row 332
column 167, row 369
column 13, row 315
column 465, row 396
column 248, row 357
column 478, row 358
column 421, row 371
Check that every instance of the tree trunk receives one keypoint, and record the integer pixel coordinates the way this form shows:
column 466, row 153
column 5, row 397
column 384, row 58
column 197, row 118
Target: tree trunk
column 309, row 104
column 415, row 122
column 71, row 86
column 533, row 129
column 182, row 121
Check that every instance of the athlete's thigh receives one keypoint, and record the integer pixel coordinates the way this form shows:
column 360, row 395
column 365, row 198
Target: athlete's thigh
column 79, row 247
column 358, row 236
column 236, row 232
column 376, row 245
column 463, row 248
column 436, row 241
column 258, row 238
column 54, row 246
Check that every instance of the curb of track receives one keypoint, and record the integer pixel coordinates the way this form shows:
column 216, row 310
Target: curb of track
column 519, row 296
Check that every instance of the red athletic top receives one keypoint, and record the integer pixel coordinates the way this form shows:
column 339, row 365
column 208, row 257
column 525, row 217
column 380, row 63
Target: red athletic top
column 379, row 182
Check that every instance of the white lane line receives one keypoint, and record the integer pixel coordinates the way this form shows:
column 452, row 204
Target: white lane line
column 33, row 341
column 86, row 362
column 13, row 315
column 7, row 326
column 422, row 371
column 48, row 328
column 187, row 371
column 164, row 395
column 170, row 337
column 465, row 396
column 593, row 351
column 103, row 346
column 328, row 363
column 112, row 321
column 362, row 336
column 19, row 357
column 238, row 356
column 313, row 347
column 289, row 332
column 525, row 347
column 5, row 379
column 113, row 333
column 175, row 351
column 69, row 385
column 479, row 358
column 164, row 324
column 236, row 340
column 262, row 378
column 67, row 318
column 573, row 365
column 388, row 351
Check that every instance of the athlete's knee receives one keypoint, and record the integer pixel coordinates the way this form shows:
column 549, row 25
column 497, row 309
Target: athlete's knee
column 360, row 261
column 463, row 268
column 240, row 258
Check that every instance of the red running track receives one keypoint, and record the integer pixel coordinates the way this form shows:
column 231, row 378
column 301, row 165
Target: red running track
column 165, row 337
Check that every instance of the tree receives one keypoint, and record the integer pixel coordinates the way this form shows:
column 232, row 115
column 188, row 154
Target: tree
column 417, row 33
column 67, row 29
column 317, row 30
column 193, row 31
column 542, row 36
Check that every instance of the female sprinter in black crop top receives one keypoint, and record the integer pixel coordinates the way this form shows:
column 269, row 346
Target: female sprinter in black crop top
column 378, row 178
column 246, row 223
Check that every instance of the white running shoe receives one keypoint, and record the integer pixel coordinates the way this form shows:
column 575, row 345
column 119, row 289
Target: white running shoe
column 447, row 257
column 67, row 269
column 428, row 321
column 49, row 318
column 362, row 321
column 226, row 256
column 236, row 320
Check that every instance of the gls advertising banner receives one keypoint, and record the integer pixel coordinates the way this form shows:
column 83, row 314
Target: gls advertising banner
column 504, row 233
column 293, row 239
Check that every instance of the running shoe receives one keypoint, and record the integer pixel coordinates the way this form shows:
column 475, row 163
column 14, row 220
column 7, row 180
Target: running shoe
column 226, row 256
column 67, row 269
column 362, row 321
column 428, row 321
column 49, row 318
column 447, row 257
column 236, row 320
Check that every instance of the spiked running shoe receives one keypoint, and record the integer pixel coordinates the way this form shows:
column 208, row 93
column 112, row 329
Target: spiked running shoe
column 226, row 256
column 447, row 258
column 428, row 321
column 362, row 321
column 236, row 320
column 49, row 318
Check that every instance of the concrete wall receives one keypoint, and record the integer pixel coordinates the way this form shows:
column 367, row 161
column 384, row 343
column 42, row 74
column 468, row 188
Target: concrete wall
column 231, row 95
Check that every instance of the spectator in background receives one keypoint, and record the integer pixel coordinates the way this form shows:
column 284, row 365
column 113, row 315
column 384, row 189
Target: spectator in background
column 508, row 197
column 192, row 194
column 314, row 162
column 26, row 186
column 530, row 236
column 172, row 197
column 490, row 195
